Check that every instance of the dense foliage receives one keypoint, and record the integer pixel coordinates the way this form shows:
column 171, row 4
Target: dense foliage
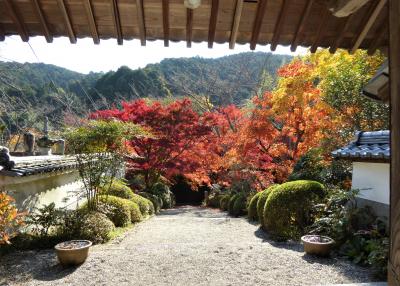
column 10, row 218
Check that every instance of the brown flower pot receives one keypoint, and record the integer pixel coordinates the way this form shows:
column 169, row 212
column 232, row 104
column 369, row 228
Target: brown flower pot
column 73, row 252
column 317, row 244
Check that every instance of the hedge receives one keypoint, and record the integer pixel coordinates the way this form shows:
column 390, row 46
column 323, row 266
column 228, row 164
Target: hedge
column 252, row 209
column 223, row 202
column 96, row 227
column 162, row 191
column 117, row 209
column 156, row 201
column 143, row 204
column 239, row 206
column 213, row 200
column 287, row 210
column 118, row 189
column 232, row 203
column 261, row 202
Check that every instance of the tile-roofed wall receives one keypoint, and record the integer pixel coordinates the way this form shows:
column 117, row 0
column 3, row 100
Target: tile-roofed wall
column 373, row 145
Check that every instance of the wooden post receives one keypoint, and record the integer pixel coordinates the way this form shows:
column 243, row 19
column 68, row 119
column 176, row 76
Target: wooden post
column 394, row 71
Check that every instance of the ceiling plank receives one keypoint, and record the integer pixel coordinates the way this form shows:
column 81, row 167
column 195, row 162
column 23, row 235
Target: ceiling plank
column 261, row 9
column 43, row 22
column 301, row 25
column 165, row 12
column 17, row 21
column 339, row 38
column 279, row 24
column 189, row 27
column 67, row 21
column 92, row 21
column 321, row 29
column 367, row 26
column 213, row 22
column 380, row 33
column 142, row 27
column 236, row 22
column 117, row 21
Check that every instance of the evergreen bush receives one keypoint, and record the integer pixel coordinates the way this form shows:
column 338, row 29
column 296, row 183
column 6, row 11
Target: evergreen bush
column 261, row 202
column 224, row 202
column 252, row 209
column 96, row 227
column 239, row 206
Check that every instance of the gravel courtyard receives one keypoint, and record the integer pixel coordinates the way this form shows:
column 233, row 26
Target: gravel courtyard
column 185, row 246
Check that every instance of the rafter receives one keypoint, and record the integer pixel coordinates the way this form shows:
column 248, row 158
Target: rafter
column 117, row 21
column 261, row 7
column 300, row 26
column 380, row 35
column 321, row 29
column 67, row 21
column 189, row 27
column 165, row 12
column 236, row 22
column 141, row 23
column 43, row 22
column 279, row 24
column 91, row 21
column 368, row 24
column 340, row 36
column 213, row 22
column 17, row 21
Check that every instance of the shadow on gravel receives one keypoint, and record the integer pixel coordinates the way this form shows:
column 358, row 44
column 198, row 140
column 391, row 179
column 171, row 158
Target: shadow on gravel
column 290, row 245
column 192, row 211
column 38, row 265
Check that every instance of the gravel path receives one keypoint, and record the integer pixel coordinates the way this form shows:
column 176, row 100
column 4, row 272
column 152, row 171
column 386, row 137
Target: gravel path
column 185, row 246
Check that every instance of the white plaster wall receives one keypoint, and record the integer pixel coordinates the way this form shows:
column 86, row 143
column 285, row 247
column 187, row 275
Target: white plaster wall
column 372, row 179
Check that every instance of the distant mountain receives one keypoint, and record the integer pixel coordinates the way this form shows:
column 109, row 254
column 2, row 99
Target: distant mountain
column 30, row 91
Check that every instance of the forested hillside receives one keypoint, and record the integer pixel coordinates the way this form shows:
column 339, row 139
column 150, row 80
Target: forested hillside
column 30, row 91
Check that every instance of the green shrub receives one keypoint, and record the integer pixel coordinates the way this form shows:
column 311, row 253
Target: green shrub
column 252, row 209
column 232, row 203
column 143, row 204
column 261, row 202
column 156, row 201
column 151, row 207
column 288, row 207
column 96, row 227
column 239, row 206
column 118, row 210
column 118, row 189
column 224, row 202
column 134, row 209
column 213, row 200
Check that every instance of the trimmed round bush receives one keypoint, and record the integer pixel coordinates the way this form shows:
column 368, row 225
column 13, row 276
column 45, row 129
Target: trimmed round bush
column 134, row 209
column 261, row 202
column 118, row 189
column 151, row 207
column 232, row 203
column 252, row 209
column 156, row 201
column 287, row 210
column 118, row 210
column 224, row 202
column 96, row 227
column 143, row 204
column 239, row 206
column 213, row 200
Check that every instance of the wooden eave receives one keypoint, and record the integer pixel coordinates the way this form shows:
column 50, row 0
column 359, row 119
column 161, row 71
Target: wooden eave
column 306, row 23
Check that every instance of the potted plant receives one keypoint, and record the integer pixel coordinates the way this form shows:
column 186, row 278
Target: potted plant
column 317, row 244
column 73, row 252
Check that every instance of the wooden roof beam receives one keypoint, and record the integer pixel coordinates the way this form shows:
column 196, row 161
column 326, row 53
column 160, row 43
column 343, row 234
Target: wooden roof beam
column 141, row 23
column 261, row 8
column 321, row 28
column 17, row 21
column 165, row 12
column 189, row 27
column 67, row 21
column 340, row 36
column 117, row 21
column 213, row 22
column 91, row 21
column 300, row 27
column 43, row 22
column 381, row 32
column 367, row 26
column 236, row 22
column 279, row 24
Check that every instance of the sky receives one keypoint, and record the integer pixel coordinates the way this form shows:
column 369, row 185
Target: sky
column 85, row 56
